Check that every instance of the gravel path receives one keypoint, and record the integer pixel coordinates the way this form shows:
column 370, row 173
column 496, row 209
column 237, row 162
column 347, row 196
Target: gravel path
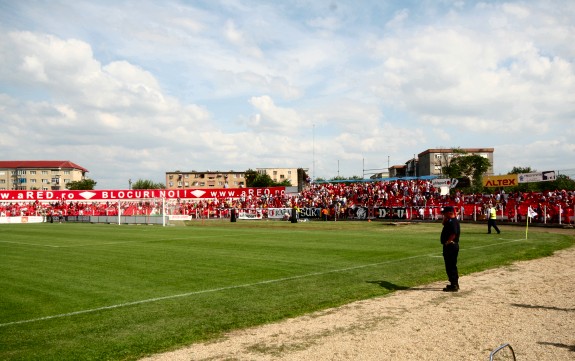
column 530, row 305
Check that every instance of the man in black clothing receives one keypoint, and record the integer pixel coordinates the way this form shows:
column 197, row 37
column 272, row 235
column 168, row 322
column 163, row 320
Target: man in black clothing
column 450, row 242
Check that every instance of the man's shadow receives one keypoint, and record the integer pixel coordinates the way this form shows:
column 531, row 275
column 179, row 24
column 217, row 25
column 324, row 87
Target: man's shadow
column 560, row 345
column 553, row 308
column 393, row 287
column 388, row 285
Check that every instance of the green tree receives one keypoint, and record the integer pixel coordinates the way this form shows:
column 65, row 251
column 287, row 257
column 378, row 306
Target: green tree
column 341, row 178
column 472, row 166
column 284, row 183
column 519, row 170
column 262, row 180
column 255, row 179
column 338, row 178
column 250, row 176
column 84, row 184
column 147, row 184
column 561, row 182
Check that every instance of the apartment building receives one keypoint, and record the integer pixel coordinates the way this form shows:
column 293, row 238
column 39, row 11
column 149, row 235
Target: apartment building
column 39, row 174
column 281, row 174
column 206, row 179
column 397, row 171
column 432, row 161
column 231, row 179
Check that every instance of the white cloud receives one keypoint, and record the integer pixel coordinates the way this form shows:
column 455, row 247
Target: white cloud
column 518, row 11
column 33, row 66
column 541, row 155
column 270, row 117
column 241, row 84
column 466, row 79
column 398, row 19
column 239, row 39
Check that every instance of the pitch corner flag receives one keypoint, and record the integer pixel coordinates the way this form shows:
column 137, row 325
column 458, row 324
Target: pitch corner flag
column 530, row 214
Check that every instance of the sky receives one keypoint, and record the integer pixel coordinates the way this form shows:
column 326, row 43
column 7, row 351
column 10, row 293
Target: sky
column 134, row 89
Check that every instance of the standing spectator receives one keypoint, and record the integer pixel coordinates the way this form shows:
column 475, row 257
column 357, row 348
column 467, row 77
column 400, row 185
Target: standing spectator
column 492, row 219
column 324, row 213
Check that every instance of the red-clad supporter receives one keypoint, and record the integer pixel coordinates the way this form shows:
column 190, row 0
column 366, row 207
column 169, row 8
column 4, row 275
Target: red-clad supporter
column 550, row 206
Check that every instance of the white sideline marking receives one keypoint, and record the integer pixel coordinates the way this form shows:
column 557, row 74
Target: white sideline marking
column 31, row 244
column 478, row 247
column 496, row 244
column 435, row 254
column 141, row 241
column 109, row 243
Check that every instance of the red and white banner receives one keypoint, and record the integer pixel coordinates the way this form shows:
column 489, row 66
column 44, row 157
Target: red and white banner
column 22, row 219
column 105, row 195
column 278, row 213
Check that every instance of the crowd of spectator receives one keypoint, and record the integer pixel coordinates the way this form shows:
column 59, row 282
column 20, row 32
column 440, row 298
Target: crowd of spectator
column 419, row 197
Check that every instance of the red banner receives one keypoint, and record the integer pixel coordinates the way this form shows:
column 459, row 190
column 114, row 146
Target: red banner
column 104, row 195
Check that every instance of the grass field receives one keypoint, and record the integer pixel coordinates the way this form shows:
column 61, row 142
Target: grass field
column 109, row 292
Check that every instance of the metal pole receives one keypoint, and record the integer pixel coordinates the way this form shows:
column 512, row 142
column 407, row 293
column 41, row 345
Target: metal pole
column 494, row 352
column 313, row 153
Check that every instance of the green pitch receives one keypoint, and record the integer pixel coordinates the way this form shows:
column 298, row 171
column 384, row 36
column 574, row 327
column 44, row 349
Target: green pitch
column 95, row 292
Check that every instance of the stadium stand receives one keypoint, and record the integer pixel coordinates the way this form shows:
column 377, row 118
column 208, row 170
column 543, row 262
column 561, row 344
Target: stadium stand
column 419, row 198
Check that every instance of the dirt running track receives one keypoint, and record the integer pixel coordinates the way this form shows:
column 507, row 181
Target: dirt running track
column 530, row 305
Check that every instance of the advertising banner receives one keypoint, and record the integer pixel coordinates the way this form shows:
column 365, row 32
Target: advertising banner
column 278, row 213
column 179, row 217
column 530, row 177
column 548, row 176
column 362, row 213
column 22, row 219
column 250, row 214
column 445, row 182
column 537, row 177
column 508, row 180
column 106, row 195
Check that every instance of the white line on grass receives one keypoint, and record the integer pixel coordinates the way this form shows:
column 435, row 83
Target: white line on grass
column 495, row 244
column 478, row 247
column 142, row 241
column 110, row 243
column 232, row 287
column 31, row 244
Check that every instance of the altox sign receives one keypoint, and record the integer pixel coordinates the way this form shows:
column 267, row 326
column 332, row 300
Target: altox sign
column 105, row 195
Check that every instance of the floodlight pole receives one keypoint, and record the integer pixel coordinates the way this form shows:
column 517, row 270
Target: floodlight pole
column 313, row 153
